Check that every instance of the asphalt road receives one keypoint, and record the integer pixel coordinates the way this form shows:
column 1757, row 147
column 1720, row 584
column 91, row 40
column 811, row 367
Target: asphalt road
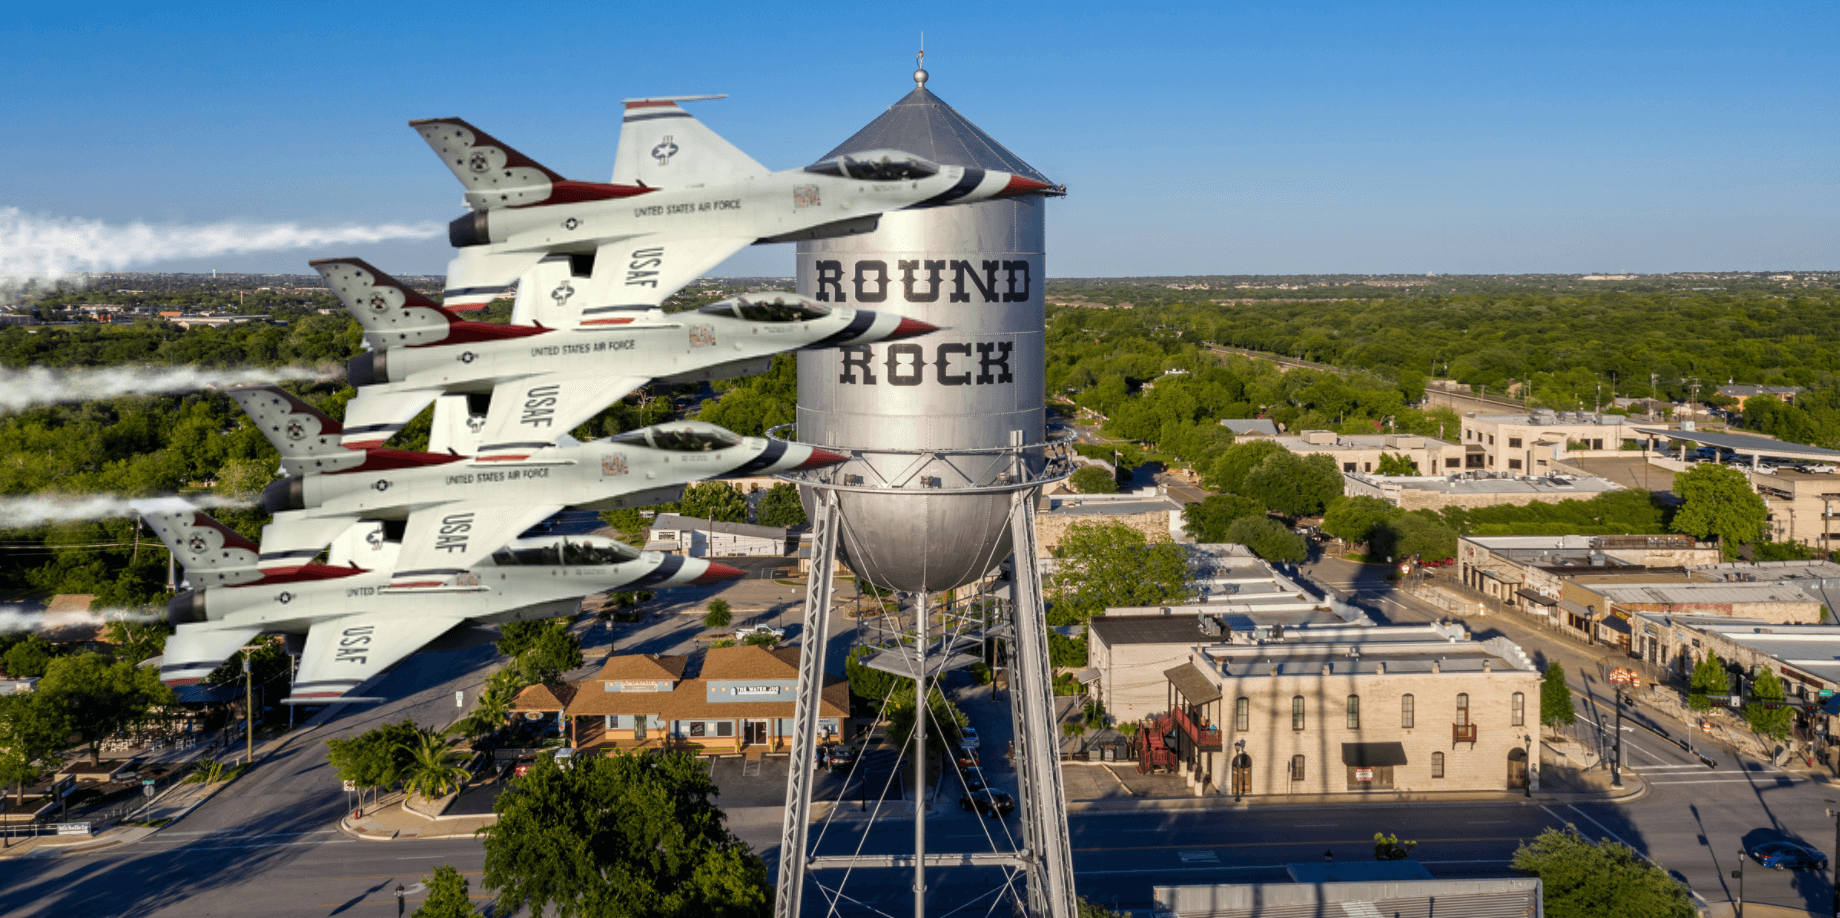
column 266, row 845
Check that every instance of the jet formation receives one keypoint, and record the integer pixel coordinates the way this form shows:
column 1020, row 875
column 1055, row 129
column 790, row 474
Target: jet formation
column 375, row 553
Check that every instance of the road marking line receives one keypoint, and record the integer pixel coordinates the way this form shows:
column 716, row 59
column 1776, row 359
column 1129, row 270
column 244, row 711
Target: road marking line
column 330, row 841
column 1316, row 825
column 1619, row 839
column 1487, row 822
column 1773, row 782
column 1199, row 857
column 1669, row 767
column 1277, row 867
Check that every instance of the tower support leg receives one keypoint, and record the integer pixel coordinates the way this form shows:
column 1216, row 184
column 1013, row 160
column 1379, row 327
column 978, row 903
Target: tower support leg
column 793, row 851
column 1038, row 766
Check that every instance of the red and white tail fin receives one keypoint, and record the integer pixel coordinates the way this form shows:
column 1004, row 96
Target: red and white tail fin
column 494, row 174
column 211, row 553
column 392, row 315
column 307, row 439
column 663, row 146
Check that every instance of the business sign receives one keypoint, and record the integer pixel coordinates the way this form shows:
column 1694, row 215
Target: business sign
column 73, row 828
column 1364, row 774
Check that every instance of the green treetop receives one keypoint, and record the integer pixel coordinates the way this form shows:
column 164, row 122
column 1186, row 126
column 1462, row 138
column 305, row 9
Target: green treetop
column 1585, row 880
column 1555, row 698
column 1766, row 712
column 1709, row 678
column 1718, row 502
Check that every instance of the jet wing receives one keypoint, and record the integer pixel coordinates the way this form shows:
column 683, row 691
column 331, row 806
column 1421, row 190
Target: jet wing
column 294, row 539
column 528, row 414
column 443, row 542
column 476, row 277
column 342, row 653
column 638, row 273
column 378, row 412
column 663, row 146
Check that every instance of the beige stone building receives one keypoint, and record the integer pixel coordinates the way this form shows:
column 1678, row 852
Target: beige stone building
column 1530, row 443
column 1335, row 710
column 1802, row 506
column 1509, row 568
column 1473, row 489
column 1361, row 453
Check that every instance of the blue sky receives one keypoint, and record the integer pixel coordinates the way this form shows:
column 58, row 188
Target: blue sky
column 1193, row 138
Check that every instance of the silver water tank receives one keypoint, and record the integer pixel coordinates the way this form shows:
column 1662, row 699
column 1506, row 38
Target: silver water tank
column 978, row 272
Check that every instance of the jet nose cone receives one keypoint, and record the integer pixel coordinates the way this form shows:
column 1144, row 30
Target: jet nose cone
column 1020, row 186
column 718, row 573
column 819, row 459
column 910, row 328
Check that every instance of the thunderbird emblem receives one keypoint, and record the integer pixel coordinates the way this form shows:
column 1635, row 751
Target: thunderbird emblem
column 378, row 303
column 296, row 430
column 197, row 542
column 479, row 163
column 664, row 151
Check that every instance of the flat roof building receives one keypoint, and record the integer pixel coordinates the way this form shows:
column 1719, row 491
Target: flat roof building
column 1530, row 443
column 1363, row 452
column 1472, row 489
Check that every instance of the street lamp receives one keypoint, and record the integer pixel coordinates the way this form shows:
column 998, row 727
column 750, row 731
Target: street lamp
column 1739, row 876
column 1835, row 813
column 1527, row 779
column 1616, row 764
column 1233, row 774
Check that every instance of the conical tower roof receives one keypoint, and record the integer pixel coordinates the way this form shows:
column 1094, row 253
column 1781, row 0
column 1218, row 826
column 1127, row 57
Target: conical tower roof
column 923, row 124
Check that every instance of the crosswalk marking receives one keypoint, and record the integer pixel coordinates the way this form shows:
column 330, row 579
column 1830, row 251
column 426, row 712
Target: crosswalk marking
column 1199, row 857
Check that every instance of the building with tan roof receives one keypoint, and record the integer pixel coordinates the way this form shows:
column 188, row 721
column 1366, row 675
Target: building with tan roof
column 741, row 701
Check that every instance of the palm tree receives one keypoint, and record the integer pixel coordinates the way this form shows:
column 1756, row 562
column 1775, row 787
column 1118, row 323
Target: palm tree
column 488, row 714
column 434, row 768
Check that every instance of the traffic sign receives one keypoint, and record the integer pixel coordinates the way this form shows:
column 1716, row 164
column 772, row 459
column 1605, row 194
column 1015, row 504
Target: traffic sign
column 147, row 790
column 348, row 785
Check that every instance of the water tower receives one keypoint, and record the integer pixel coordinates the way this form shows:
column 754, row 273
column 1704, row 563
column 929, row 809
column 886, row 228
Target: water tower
column 948, row 451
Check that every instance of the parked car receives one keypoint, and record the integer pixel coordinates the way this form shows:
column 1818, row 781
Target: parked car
column 742, row 634
column 564, row 757
column 966, row 756
column 988, row 802
column 967, row 736
column 1787, row 854
column 839, row 755
column 974, row 779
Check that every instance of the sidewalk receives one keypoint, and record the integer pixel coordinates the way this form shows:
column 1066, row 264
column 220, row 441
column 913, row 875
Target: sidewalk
column 394, row 821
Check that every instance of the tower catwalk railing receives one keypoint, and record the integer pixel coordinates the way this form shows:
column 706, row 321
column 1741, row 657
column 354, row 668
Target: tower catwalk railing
column 1045, row 854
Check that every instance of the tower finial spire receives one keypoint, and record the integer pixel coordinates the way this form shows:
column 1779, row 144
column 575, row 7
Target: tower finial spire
column 920, row 64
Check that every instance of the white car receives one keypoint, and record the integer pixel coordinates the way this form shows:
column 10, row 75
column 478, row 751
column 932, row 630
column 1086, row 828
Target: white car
column 742, row 634
column 968, row 736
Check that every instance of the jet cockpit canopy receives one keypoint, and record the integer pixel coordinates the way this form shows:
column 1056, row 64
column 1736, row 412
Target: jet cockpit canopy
column 877, row 166
column 585, row 551
column 685, row 438
column 771, row 306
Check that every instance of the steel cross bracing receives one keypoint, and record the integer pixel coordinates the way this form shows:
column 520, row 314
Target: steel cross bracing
column 806, row 707
column 1038, row 767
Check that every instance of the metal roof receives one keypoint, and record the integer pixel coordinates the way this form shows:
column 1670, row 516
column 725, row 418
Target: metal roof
column 923, row 124
column 1516, row 897
column 1738, row 443
column 1700, row 592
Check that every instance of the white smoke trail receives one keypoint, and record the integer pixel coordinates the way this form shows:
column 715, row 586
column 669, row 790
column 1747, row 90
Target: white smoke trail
column 35, row 511
column 39, row 386
column 16, row 618
column 36, row 247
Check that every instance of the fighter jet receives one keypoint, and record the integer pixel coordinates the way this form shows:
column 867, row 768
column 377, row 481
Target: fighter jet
column 355, row 623
column 545, row 381
column 459, row 509
column 682, row 199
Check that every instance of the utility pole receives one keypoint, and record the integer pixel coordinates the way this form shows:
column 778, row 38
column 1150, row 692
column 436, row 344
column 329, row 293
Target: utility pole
column 249, row 711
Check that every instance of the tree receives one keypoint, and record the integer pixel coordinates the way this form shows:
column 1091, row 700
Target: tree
column 1089, row 909
column 32, row 734
column 866, row 683
column 1414, row 532
column 621, row 835
column 553, row 651
column 1093, row 480
column 1556, row 698
column 943, row 722
column 1353, row 519
column 1208, row 520
column 431, row 768
column 1781, row 551
column 713, row 499
column 761, row 639
column 1585, row 880
column 1103, row 565
column 1709, row 678
column 447, row 895
column 1293, row 485
column 375, row 758
column 1766, row 712
column 516, row 637
column 29, row 658
column 780, row 506
column 136, row 641
column 1390, row 848
column 1718, row 502
column 1395, row 464
column 718, row 615
column 244, row 479
column 1268, row 538
column 99, row 696
column 1229, row 471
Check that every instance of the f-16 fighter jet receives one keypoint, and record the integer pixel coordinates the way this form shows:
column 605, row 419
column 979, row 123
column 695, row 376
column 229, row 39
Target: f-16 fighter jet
column 682, row 200
column 545, row 381
column 355, row 624
column 460, row 509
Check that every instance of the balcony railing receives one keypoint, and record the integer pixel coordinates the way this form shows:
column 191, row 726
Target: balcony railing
column 1462, row 733
column 1205, row 738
